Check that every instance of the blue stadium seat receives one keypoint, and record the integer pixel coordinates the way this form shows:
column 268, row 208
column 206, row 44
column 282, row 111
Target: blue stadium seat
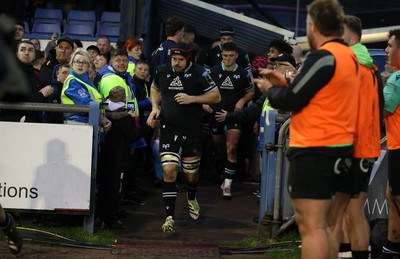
column 110, row 31
column 81, row 17
column 26, row 27
column 72, row 30
column 46, row 28
column 43, row 15
column 110, row 18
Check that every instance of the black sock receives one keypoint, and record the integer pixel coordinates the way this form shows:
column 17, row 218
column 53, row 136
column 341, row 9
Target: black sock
column 191, row 191
column 360, row 254
column 169, row 196
column 230, row 169
column 344, row 247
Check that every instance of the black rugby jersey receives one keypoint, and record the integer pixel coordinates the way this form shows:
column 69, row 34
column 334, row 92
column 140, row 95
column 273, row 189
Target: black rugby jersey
column 184, row 119
column 232, row 85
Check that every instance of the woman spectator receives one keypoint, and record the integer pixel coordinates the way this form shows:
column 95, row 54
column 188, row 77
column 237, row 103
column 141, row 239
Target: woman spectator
column 134, row 47
column 78, row 89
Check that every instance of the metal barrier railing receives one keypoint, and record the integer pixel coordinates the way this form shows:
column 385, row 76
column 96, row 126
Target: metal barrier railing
column 272, row 166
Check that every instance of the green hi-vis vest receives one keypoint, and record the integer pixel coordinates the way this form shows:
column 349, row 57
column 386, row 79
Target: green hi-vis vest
column 266, row 106
column 131, row 68
column 109, row 81
column 94, row 94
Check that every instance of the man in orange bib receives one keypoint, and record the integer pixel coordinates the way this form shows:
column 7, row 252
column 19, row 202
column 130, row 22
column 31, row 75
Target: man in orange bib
column 323, row 99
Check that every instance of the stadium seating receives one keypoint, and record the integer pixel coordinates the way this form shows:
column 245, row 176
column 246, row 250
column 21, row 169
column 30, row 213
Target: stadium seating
column 81, row 17
column 110, row 18
column 26, row 27
column 46, row 28
column 72, row 30
column 110, row 31
column 43, row 15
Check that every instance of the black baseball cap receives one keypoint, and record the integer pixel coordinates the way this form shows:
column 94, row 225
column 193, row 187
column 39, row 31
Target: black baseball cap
column 284, row 56
column 227, row 31
column 93, row 47
column 66, row 39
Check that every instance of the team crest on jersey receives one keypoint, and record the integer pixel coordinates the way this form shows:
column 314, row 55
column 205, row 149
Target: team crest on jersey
column 168, row 75
column 176, row 82
column 187, row 75
column 236, row 76
column 397, row 76
column 219, row 75
column 227, row 84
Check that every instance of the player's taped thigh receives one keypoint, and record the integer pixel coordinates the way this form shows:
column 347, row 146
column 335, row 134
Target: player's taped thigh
column 191, row 166
column 169, row 158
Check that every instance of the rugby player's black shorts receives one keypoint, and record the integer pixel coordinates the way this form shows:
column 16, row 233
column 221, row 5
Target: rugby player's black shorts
column 173, row 141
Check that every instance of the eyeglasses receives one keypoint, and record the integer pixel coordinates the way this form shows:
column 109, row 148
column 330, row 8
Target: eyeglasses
column 79, row 63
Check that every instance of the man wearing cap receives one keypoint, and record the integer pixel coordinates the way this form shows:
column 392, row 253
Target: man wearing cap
column 214, row 57
column 180, row 87
column 61, row 55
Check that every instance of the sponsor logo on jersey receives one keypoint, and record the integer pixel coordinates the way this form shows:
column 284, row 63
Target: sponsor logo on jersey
column 227, row 84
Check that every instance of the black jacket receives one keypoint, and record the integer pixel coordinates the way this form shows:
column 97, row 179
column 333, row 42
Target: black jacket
column 46, row 71
column 117, row 143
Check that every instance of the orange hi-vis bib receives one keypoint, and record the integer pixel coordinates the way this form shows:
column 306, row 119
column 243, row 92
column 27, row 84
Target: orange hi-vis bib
column 392, row 124
column 330, row 117
column 367, row 139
